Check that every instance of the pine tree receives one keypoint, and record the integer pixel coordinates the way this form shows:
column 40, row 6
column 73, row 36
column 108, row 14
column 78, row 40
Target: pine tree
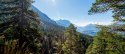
column 71, row 43
column 18, row 21
column 106, row 42
column 83, row 44
column 116, row 6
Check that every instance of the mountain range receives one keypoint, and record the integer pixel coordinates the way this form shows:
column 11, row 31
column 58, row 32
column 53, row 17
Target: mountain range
column 48, row 23
column 90, row 29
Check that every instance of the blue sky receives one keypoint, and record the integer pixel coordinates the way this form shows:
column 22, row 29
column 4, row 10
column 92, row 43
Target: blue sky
column 75, row 11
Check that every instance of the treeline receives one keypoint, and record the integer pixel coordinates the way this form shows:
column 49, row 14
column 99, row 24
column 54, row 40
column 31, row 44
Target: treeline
column 21, row 32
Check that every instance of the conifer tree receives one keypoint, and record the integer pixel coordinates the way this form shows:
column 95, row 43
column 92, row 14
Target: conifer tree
column 106, row 42
column 71, row 43
column 116, row 6
column 18, row 21
column 108, row 38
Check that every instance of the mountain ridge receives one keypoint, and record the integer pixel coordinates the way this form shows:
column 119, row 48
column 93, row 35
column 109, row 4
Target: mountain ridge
column 89, row 29
column 47, row 23
column 64, row 23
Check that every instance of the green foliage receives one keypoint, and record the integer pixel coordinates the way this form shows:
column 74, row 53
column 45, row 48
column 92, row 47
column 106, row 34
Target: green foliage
column 18, row 21
column 70, row 45
column 75, row 42
column 117, row 7
column 12, row 47
column 106, row 42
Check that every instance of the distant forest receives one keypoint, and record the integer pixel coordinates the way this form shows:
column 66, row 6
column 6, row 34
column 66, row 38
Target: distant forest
column 21, row 31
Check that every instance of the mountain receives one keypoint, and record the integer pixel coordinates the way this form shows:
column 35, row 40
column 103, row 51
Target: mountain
column 89, row 29
column 64, row 23
column 43, row 16
column 47, row 23
column 118, row 23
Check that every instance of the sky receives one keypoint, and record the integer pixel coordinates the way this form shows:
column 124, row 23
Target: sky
column 76, row 11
